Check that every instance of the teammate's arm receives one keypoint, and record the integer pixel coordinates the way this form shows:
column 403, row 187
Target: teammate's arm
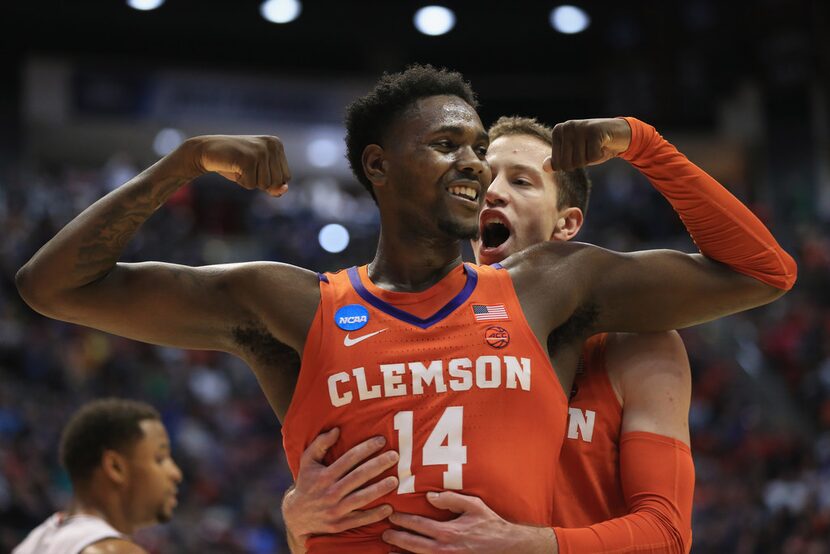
column 331, row 499
column 477, row 530
column 651, row 374
column 741, row 266
column 296, row 545
column 76, row 276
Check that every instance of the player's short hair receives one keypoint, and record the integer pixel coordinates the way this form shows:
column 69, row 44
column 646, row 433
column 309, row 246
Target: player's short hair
column 106, row 424
column 369, row 118
column 574, row 186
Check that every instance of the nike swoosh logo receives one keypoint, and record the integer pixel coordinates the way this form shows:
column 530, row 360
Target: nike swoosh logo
column 348, row 341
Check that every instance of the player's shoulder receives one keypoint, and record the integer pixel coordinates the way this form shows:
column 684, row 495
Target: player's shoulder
column 631, row 357
column 292, row 282
column 543, row 253
column 113, row 546
column 267, row 270
column 536, row 266
column 668, row 341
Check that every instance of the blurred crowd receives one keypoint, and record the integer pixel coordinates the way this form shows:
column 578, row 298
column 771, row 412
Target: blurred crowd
column 760, row 415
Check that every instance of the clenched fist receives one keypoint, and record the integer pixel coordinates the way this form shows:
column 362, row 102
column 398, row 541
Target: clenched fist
column 582, row 142
column 254, row 162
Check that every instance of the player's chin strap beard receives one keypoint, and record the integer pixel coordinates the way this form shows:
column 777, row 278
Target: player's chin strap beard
column 457, row 230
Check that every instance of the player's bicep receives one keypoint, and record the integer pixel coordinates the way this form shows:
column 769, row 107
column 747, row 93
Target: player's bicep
column 659, row 290
column 159, row 303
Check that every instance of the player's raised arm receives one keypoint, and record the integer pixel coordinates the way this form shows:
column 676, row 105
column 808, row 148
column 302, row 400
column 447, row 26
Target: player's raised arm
column 76, row 276
column 741, row 266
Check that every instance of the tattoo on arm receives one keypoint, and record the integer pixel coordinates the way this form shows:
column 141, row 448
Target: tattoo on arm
column 103, row 244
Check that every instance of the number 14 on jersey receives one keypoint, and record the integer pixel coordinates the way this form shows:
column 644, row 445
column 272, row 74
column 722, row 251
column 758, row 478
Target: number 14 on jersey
column 443, row 447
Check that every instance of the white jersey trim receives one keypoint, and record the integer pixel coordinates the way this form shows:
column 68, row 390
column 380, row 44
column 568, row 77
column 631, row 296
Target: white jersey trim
column 67, row 535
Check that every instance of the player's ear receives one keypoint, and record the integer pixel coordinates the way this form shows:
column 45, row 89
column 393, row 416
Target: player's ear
column 374, row 164
column 568, row 224
column 114, row 465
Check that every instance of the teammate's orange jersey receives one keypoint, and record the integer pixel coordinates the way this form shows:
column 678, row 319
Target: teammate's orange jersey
column 588, row 485
column 455, row 380
column 618, row 493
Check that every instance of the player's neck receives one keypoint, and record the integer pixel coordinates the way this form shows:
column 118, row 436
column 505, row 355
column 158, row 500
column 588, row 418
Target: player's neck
column 413, row 263
column 104, row 506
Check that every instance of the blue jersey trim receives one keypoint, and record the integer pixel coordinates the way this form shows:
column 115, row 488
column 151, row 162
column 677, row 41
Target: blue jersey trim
column 397, row 313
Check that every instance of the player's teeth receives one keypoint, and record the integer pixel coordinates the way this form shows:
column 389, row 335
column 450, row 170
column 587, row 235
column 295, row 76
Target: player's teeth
column 465, row 192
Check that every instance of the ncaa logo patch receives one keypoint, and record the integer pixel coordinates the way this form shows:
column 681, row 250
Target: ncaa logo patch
column 497, row 337
column 351, row 317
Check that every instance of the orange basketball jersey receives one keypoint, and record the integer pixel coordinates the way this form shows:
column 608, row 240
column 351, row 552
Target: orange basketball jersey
column 455, row 380
column 588, row 485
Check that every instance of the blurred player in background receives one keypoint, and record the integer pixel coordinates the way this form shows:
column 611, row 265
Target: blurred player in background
column 117, row 454
column 443, row 359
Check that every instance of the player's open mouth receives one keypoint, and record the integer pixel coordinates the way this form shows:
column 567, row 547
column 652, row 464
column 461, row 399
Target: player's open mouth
column 494, row 230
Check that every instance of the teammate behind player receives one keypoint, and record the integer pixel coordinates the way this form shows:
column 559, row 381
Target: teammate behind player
column 401, row 347
column 626, row 476
column 117, row 454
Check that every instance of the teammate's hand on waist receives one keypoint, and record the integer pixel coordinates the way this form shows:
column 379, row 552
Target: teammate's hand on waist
column 477, row 529
column 253, row 162
column 580, row 142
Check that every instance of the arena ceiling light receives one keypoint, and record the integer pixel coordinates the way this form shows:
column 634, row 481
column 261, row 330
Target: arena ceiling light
column 167, row 140
column 434, row 20
column 324, row 152
column 569, row 19
column 144, row 5
column 333, row 238
column 281, row 11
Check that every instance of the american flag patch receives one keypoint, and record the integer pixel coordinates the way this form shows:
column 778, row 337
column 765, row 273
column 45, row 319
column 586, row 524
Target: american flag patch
column 489, row 312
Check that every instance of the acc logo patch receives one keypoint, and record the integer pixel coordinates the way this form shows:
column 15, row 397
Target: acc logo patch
column 351, row 317
column 497, row 337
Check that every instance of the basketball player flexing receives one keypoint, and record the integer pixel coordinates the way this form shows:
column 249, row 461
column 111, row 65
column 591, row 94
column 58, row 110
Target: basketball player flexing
column 626, row 454
column 117, row 454
column 422, row 371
